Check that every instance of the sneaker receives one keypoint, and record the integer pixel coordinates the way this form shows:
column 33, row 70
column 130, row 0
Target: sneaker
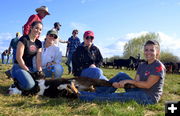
column 13, row 90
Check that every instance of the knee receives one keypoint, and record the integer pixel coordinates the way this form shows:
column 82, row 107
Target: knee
column 98, row 71
column 58, row 70
column 29, row 85
column 122, row 74
column 92, row 72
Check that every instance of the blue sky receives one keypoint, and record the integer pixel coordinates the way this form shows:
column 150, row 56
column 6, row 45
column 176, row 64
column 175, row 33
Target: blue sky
column 114, row 22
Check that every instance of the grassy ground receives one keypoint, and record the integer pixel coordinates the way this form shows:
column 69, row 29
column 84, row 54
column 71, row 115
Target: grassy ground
column 42, row 106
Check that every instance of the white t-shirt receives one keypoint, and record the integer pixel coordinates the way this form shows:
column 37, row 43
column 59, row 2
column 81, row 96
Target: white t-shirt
column 52, row 53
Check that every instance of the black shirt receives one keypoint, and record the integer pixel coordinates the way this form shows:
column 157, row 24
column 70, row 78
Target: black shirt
column 30, row 49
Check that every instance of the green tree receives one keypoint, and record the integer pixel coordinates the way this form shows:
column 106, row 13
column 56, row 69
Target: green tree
column 135, row 46
column 166, row 56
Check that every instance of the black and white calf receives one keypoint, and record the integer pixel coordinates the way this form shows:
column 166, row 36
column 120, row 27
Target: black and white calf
column 64, row 87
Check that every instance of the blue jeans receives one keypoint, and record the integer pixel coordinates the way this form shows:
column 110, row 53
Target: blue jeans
column 3, row 57
column 107, row 93
column 25, row 80
column 57, row 70
column 93, row 73
column 14, row 55
column 69, row 62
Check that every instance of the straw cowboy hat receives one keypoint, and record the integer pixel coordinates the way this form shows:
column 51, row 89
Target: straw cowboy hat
column 44, row 8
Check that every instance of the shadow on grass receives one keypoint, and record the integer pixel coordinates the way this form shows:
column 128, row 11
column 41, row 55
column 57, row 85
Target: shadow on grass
column 4, row 90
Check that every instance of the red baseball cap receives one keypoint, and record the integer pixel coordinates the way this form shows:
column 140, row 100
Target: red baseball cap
column 88, row 33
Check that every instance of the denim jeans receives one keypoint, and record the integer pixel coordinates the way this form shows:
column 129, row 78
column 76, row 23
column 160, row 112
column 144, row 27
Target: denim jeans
column 57, row 70
column 25, row 80
column 3, row 57
column 107, row 93
column 93, row 73
column 69, row 63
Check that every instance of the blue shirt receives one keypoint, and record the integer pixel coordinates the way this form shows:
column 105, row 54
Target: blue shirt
column 74, row 43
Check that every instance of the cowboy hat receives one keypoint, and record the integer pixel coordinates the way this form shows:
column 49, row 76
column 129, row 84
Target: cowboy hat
column 44, row 8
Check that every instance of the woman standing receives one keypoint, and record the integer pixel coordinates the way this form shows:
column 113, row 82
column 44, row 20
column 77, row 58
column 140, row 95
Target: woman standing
column 28, row 47
column 149, row 81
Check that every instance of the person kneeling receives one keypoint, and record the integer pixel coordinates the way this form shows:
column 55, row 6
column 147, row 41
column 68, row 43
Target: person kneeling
column 51, row 57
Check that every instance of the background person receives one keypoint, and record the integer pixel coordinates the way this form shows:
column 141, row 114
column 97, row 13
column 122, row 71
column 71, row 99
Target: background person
column 57, row 27
column 28, row 47
column 41, row 13
column 13, row 45
column 73, row 43
column 51, row 56
column 3, row 55
column 87, row 58
column 149, row 81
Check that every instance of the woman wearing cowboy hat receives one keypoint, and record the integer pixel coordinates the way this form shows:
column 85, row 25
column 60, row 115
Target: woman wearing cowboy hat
column 41, row 13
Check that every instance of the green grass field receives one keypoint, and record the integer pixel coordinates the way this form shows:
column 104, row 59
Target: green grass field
column 42, row 106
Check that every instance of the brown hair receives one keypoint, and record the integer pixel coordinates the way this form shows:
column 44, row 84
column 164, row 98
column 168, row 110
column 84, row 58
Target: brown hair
column 75, row 31
column 157, row 46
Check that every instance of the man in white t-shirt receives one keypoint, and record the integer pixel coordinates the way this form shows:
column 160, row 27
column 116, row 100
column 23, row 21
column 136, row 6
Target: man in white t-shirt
column 57, row 27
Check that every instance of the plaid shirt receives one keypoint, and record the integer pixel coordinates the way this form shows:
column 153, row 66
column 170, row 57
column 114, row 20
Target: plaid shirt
column 83, row 57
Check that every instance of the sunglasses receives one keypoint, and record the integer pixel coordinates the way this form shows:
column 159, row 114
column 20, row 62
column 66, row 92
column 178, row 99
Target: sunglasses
column 89, row 37
column 75, row 33
column 52, row 35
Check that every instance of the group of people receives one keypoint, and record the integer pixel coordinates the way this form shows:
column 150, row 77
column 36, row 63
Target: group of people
column 85, row 59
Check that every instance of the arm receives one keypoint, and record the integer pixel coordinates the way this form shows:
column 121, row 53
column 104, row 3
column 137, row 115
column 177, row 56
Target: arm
column 9, row 49
column 99, row 58
column 140, row 84
column 38, row 59
column 19, row 56
column 62, row 41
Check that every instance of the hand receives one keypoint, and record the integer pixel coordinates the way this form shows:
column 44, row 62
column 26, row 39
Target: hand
column 92, row 66
column 48, row 64
column 118, row 84
column 39, row 75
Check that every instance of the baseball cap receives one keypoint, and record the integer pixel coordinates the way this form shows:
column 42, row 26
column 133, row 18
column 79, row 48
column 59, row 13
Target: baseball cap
column 52, row 32
column 88, row 33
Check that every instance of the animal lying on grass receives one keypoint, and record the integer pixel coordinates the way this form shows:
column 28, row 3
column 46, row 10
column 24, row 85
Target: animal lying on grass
column 64, row 87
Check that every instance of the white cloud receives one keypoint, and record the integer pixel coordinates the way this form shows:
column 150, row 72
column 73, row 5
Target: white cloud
column 135, row 35
column 170, row 43
column 43, row 1
column 85, row 1
column 5, row 39
column 81, row 27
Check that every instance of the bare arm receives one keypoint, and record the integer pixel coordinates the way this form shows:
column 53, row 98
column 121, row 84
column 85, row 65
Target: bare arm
column 19, row 56
column 9, row 49
column 140, row 84
column 38, row 60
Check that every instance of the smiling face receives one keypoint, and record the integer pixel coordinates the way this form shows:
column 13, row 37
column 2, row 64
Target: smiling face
column 42, row 13
column 151, row 52
column 88, row 40
column 50, row 39
column 36, row 30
